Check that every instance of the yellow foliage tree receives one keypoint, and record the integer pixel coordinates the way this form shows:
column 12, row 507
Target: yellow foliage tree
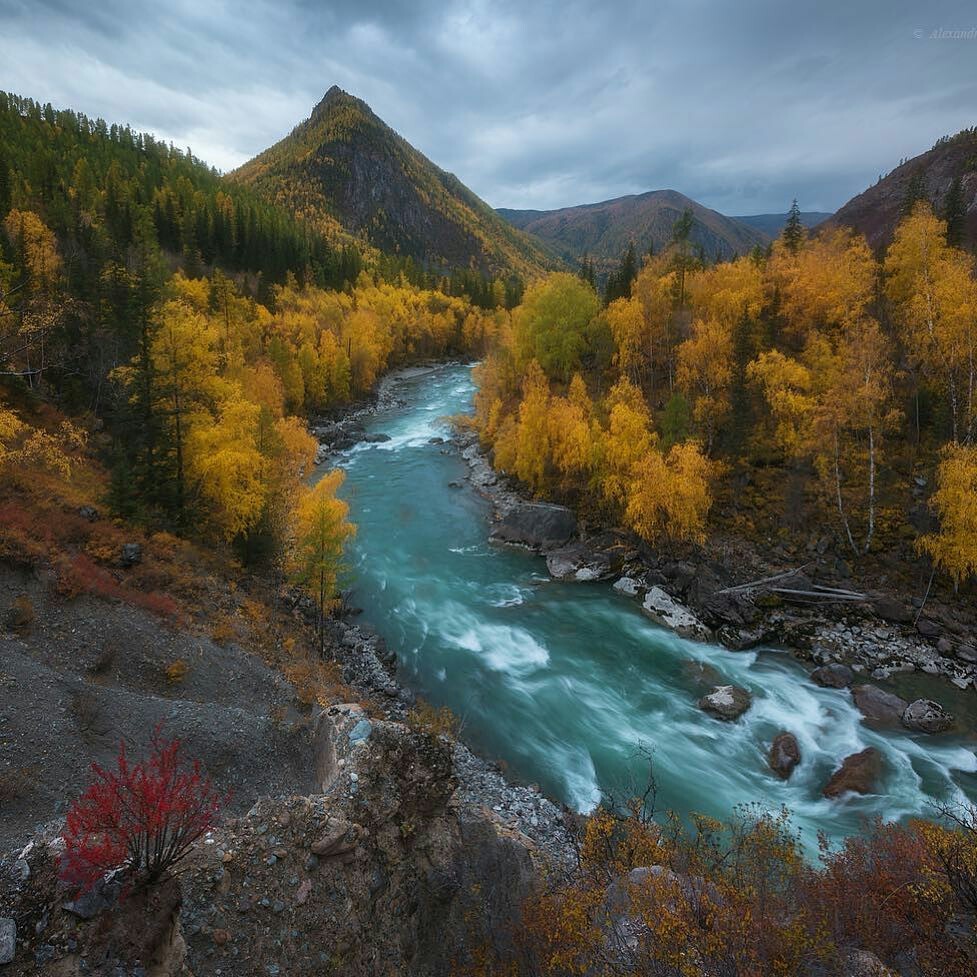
column 321, row 531
column 704, row 373
column 954, row 547
column 932, row 289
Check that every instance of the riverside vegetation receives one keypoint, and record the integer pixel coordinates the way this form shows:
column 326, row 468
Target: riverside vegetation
column 164, row 336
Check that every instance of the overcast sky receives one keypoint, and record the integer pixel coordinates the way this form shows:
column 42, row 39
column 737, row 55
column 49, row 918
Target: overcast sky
column 741, row 104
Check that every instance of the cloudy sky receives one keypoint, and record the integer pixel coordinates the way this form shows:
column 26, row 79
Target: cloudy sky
column 741, row 105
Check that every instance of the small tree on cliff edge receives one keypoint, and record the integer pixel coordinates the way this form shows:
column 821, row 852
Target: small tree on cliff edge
column 140, row 818
column 321, row 532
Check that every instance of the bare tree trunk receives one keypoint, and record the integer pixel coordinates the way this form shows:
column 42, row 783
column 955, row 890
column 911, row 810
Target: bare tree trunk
column 841, row 505
column 871, row 488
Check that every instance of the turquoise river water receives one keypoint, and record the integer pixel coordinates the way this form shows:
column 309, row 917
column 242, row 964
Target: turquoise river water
column 567, row 683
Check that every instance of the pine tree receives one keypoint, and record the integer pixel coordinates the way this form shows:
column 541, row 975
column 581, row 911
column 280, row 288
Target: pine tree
column 915, row 191
column 954, row 213
column 793, row 234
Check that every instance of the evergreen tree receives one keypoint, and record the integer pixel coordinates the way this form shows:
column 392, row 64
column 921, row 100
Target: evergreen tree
column 5, row 194
column 915, row 191
column 954, row 213
column 793, row 234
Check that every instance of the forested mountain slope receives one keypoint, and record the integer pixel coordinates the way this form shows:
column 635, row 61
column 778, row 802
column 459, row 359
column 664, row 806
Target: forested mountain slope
column 604, row 230
column 343, row 166
column 945, row 177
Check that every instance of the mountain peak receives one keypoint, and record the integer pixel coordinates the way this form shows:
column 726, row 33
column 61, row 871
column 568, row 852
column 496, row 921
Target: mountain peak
column 346, row 170
column 333, row 97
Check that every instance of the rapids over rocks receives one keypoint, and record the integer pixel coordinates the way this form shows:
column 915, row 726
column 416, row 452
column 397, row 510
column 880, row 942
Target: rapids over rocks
column 568, row 682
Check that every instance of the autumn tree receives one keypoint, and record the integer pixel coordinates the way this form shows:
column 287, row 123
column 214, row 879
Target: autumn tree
column 321, row 530
column 550, row 326
column 704, row 373
column 954, row 547
column 934, row 295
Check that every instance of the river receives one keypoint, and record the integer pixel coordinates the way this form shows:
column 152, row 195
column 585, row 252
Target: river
column 567, row 684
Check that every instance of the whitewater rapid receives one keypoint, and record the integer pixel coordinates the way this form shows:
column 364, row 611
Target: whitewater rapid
column 569, row 685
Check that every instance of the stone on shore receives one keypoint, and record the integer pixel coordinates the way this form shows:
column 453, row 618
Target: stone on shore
column 536, row 525
column 858, row 774
column 669, row 613
column 726, row 702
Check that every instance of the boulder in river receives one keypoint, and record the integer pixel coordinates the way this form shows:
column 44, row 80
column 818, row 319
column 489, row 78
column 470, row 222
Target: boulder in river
column 878, row 706
column 377, row 438
column 926, row 716
column 833, row 676
column 858, row 773
column 784, row 755
column 537, row 525
column 668, row 612
column 727, row 702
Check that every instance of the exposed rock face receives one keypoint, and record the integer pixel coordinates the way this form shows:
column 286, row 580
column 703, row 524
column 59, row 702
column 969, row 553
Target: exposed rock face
column 878, row 706
column 727, row 702
column 858, row 773
column 926, row 716
column 8, row 940
column 785, row 754
column 668, row 612
column 536, row 525
column 393, row 862
column 834, row 676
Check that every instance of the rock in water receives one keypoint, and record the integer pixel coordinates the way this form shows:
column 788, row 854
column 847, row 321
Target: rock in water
column 538, row 525
column 879, row 706
column 727, row 702
column 785, row 754
column 834, row 676
column 926, row 716
column 668, row 612
column 858, row 773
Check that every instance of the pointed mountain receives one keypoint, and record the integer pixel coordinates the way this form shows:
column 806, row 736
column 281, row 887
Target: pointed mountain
column 946, row 176
column 344, row 168
column 604, row 230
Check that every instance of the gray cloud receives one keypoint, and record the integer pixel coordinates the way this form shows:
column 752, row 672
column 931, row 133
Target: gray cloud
column 742, row 106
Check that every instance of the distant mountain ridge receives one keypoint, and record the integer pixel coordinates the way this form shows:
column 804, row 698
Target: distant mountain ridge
column 773, row 224
column 344, row 168
column 930, row 176
column 604, row 230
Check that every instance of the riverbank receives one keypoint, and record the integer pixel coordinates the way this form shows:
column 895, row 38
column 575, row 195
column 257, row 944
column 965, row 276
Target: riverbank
column 369, row 665
column 564, row 678
column 731, row 593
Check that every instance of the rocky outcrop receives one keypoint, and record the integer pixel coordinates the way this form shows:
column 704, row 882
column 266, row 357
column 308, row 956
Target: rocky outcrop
column 395, row 869
column 726, row 702
column 858, row 773
column 785, row 754
column 833, row 676
column 589, row 560
column 538, row 526
column 879, row 707
column 669, row 613
column 927, row 716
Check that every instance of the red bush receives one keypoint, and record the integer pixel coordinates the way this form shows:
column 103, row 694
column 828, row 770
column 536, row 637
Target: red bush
column 141, row 818
column 81, row 575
